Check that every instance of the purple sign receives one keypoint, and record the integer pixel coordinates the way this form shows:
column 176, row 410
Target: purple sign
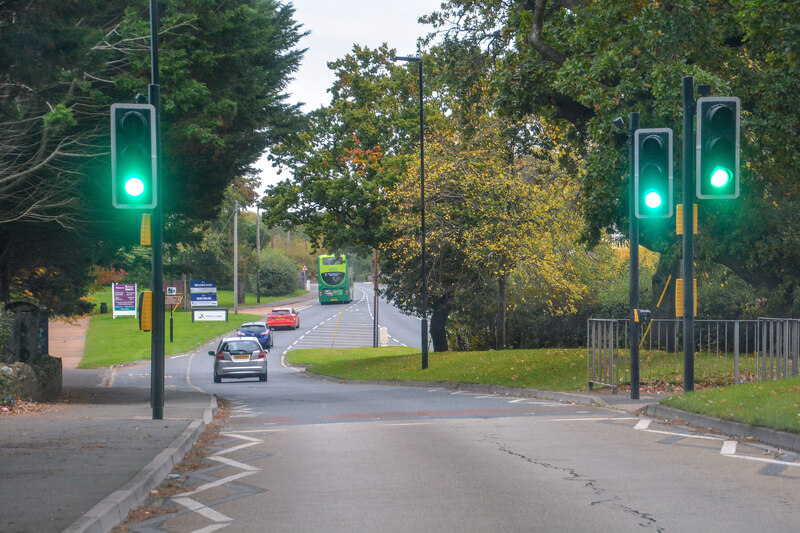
column 124, row 299
column 124, row 296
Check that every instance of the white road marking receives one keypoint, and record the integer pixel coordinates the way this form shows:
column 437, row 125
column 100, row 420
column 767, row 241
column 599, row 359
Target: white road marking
column 728, row 447
column 643, row 424
column 763, row 460
column 209, row 529
column 237, row 448
column 257, row 431
column 237, row 436
column 231, row 462
column 593, row 419
column 201, row 509
column 222, row 481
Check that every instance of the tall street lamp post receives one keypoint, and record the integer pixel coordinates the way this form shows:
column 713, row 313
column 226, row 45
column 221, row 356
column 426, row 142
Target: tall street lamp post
column 424, row 291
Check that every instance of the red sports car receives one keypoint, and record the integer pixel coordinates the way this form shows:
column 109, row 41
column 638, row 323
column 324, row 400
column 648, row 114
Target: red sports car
column 283, row 317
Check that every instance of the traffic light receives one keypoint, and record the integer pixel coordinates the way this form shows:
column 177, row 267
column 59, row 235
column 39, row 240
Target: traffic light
column 133, row 156
column 653, row 173
column 718, row 147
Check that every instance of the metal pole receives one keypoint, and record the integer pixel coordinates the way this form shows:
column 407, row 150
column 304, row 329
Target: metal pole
column 688, row 233
column 235, row 257
column 375, row 301
column 422, row 223
column 258, row 257
column 633, row 295
column 157, row 335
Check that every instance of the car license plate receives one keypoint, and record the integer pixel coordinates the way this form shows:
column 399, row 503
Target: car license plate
column 241, row 357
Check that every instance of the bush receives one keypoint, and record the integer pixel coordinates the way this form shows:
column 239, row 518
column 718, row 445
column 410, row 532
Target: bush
column 278, row 275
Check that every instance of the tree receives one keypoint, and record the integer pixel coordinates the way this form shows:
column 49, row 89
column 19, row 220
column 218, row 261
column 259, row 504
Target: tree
column 349, row 155
column 223, row 72
column 587, row 62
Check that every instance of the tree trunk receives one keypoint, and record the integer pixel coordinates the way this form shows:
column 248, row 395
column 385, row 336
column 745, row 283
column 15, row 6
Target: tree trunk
column 439, row 317
column 501, row 313
column 5, row 269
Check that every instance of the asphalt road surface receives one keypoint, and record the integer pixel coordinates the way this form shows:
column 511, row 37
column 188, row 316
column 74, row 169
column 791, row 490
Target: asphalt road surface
column 301, row 454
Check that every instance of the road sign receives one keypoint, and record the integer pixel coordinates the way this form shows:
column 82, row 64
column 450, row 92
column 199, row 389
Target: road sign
column 173, row 299
column 172, row 291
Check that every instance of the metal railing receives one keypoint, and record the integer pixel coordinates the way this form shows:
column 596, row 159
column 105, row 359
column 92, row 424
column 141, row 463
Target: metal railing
column 726, row 351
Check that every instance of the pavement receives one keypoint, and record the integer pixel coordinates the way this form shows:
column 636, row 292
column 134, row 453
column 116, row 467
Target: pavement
column 84, row 463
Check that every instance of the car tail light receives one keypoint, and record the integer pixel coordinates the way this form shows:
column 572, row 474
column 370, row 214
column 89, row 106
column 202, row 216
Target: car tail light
column 261, row 354
column 220, row 356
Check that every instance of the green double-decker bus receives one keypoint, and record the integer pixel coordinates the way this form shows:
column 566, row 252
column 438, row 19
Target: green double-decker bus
column 335, row 279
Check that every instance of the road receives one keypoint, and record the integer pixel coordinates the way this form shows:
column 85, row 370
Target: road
column 301, row 454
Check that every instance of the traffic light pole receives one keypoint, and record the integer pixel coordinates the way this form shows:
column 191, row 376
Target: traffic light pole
column 633, row 260
column 157, row 336
column 688, row 233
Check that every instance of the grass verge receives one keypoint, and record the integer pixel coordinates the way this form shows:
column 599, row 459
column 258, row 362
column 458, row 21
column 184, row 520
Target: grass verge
column 772, row 404
column 556, row 369
column 110, row 342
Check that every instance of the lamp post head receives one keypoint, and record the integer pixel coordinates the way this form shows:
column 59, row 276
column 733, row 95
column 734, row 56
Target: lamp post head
column 407, row 58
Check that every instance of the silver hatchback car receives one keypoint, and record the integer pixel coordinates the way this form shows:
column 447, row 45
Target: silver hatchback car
column 239, row 357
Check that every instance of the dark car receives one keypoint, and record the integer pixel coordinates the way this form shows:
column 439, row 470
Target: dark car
column 259, row 330
column 239, row 357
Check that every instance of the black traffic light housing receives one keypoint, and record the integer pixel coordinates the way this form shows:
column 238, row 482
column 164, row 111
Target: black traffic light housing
column 133, row 156
column 718, row 147
column 653, row 173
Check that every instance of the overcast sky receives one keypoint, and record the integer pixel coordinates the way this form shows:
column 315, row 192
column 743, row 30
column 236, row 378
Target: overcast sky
column 336, row 25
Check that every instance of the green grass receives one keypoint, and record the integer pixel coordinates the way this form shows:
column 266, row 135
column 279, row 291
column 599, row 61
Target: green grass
column 224, row 299
column 772, row 404
column 557, row 369
column 110, row 342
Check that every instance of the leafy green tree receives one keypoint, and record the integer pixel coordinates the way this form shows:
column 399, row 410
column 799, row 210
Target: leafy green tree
column 224, row 69
column 350, row 153
column 583, row 63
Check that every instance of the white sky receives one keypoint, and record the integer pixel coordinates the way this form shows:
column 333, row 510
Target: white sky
column 335, row 26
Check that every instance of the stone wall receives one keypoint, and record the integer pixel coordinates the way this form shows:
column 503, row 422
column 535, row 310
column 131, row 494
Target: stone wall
column 38, row 382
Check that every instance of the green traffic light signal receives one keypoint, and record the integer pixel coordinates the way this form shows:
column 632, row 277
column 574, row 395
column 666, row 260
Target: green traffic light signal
column 653, row 173
column 133, row 156
column 652, row 199
column 720, row 177
column 718, row 147
column 134, row 186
